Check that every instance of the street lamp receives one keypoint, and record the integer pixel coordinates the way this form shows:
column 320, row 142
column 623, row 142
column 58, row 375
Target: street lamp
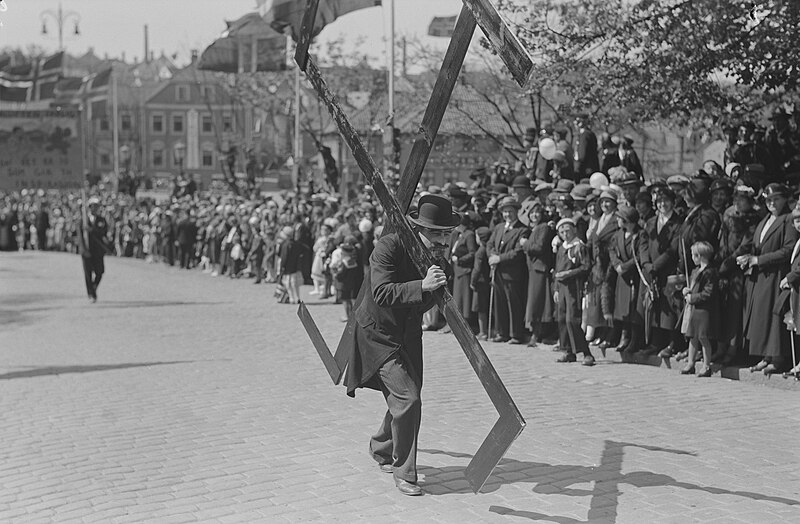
column 60, row 17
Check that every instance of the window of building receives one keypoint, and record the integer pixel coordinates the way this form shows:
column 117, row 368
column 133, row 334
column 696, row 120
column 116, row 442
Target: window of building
column 125, row 122
column 227, row 123
column 157, row 123
column 105, row 159
column 177, row 123
column 207, row 92
column 208, row 156
column 207, row 125
column 104, row 124
column 182, row 93
column 158, row 156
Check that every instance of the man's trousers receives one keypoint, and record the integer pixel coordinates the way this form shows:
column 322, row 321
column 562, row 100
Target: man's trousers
column 396, row 440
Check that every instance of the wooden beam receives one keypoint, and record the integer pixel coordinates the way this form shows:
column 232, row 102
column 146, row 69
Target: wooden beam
column 437, row 105
column 334, row 370
column 306, row 33
column 505, row 42
column 511, row 422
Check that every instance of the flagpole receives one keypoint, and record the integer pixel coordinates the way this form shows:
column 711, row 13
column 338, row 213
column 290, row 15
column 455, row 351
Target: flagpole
column 298, row 145
column 390, row 135
column 115, row 130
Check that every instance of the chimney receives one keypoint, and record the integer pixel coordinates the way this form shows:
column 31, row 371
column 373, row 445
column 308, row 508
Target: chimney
column 194, row 55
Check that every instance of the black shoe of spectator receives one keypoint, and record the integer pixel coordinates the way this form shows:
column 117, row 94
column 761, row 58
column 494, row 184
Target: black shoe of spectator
column 567, row 357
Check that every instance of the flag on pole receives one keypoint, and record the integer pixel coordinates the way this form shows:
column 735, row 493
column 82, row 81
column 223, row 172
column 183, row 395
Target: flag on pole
column 95, row 91
column 442, row 26
column 249, row 44
column 281, row 14
column 31, row 81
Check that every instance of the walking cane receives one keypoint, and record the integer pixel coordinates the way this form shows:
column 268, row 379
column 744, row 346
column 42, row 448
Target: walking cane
column 794, row 371
column 491, row 302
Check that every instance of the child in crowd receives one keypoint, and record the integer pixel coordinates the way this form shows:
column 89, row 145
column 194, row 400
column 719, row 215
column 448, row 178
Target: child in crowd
column 348, row 273
column 290, row 264
column 571, row 270
column 321, row 251
column 270, row 252
column 479, row 283
column 701, row 314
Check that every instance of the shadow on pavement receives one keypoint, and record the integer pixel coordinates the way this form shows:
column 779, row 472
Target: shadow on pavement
column 122, row 304
column 62, row 370
column 559, row 479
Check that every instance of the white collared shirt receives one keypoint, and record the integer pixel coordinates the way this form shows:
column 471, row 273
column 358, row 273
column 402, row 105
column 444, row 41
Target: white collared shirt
column 662, row 220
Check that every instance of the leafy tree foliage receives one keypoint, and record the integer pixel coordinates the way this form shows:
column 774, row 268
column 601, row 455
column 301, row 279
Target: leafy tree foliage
column 675, row 61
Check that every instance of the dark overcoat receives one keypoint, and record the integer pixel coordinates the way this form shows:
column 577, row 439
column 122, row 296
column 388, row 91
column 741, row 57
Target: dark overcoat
column 388, row 319
column 704, row 297
column 736, row 239
column 539, row 252
column 702, row 223
column 627, row 300
column 463, row 247
column 659, row 258
column 762, row 327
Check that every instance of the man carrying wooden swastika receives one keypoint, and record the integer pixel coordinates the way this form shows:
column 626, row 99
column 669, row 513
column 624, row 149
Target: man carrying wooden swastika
column 386, row 344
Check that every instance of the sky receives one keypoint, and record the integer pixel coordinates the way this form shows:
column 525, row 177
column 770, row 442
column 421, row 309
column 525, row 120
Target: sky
column 114, row 27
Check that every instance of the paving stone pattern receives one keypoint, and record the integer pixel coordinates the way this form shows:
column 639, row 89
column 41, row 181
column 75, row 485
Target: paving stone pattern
column 184, row 398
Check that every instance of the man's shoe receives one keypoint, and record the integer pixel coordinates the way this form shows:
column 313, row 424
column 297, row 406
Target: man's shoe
column 387, row 468
column 567, row 357
column 407, row 488
column 706, row 372
column 500, row 338
column 515, row 341
column 588, row 360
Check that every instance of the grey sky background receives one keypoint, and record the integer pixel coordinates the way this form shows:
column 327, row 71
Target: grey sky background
column 115, row 27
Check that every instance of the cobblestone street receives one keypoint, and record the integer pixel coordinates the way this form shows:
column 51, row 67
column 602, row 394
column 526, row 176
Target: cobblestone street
column 178, row 397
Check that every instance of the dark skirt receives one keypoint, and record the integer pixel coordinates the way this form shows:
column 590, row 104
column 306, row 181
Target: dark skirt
column 480, row 298
column 462, row 294
column 540, row 308
column 594, row 309
column 703, row 325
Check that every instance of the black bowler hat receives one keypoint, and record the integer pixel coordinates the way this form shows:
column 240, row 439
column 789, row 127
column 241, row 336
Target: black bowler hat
column 435, row 212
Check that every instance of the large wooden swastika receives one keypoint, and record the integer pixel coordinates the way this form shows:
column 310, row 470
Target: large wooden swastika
column 473, row 13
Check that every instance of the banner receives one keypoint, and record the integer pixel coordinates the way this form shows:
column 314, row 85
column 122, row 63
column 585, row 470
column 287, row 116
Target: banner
column 442, row 26
column 40, row 149
column 281, row 14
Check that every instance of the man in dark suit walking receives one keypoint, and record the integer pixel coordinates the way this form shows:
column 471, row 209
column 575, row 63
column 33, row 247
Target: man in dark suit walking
column 92, row 245
column 384, row 351
column 510, row 273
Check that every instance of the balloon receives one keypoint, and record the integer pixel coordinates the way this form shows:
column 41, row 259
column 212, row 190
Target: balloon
column 598, row 180
column 547, row 147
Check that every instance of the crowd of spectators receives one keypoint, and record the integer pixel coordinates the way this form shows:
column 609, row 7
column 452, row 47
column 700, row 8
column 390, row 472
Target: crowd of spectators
column 571, row 247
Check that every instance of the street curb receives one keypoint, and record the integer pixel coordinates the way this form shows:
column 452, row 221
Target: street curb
column 727, row 372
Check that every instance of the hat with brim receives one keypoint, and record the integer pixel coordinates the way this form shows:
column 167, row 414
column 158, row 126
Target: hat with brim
column 93, row 201
column 775, row 190
column 499, row 189
column 543, row 186
column 608, row 195
column 722, row 184
column 678, row 180
column 565, row 222
column 434, row 212
column 525, row 211
column 743, row 191
column 521, row 181
column 628, row 214
column 508, row 201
